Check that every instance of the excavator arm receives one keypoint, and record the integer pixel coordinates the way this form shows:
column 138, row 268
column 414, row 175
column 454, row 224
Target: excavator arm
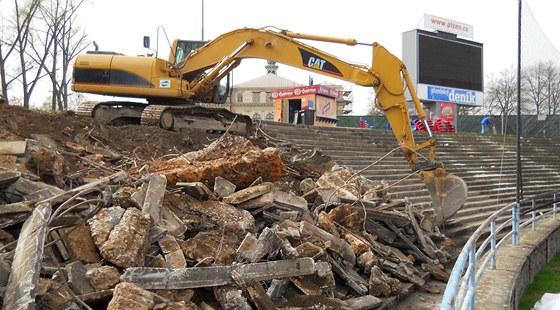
column 387, row 75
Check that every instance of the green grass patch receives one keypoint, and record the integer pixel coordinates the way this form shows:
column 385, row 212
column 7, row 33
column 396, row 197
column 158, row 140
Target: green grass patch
column 547, row 280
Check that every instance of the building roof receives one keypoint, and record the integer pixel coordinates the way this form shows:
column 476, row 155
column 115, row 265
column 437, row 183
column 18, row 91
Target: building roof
column 269, row 80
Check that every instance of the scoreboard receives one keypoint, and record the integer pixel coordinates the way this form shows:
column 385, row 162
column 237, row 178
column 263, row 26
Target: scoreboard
column 444, row 67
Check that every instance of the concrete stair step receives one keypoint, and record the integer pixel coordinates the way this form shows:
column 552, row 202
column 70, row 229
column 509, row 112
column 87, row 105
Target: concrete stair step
column 488, row 164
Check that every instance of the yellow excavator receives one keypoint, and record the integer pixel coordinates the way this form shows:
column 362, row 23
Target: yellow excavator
column 177, row 89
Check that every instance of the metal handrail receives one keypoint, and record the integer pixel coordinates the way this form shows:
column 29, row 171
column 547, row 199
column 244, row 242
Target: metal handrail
column 460, row 291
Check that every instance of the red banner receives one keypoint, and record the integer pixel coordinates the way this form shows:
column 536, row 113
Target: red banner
column 447, row 111
column 304, row 90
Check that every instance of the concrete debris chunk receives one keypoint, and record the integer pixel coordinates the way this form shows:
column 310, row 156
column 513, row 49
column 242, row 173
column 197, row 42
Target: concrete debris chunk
column 231, row 157
column 103, row 277
column 230, row 226
column 76, row 275
column 13, row 147
column 122, row 236
column 223, row 187
column 8, row 177
column 80, row 244
column 248, row 193
column 154, row 196
column 129, row 296
column 197, row 190
column 172, row 252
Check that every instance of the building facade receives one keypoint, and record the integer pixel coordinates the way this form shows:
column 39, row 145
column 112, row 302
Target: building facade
column 253, row 97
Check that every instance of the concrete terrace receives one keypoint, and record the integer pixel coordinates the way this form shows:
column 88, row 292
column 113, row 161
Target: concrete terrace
column 486, row 163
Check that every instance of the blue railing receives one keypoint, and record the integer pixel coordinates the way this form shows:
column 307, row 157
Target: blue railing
column 461, row 287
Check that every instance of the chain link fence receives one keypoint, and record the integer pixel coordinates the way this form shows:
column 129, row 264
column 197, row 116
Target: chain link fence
column 531, row 125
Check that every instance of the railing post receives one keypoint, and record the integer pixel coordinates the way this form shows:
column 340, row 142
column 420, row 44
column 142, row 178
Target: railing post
column 533, row 214
column 515, row 224
column 493, row 244
column 472, row 280
column 554, row 207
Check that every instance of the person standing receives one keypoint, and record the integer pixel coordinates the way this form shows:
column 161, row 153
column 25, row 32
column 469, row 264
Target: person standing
column 486, row 123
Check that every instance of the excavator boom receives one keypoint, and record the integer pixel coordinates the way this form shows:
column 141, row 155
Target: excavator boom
column 194, row 75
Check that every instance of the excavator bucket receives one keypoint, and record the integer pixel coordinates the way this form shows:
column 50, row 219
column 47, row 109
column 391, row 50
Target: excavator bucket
column 448, row 192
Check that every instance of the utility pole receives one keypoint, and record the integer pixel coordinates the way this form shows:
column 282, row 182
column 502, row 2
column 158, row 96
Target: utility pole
column 202, row 21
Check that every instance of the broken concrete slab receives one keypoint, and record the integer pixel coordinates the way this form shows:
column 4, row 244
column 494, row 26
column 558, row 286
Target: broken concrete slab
column 381, row 285
column 154, row 196
column 290, row 202
column 197, row 190
column 129, row 296
column 248, row 193
column 215, row 216
column 229, row 157
column 337, row 245
column 230, row 297
column 211, row 247
column 13, row 147
column 44, row 140
column 223, row 187
column 170, row 222
column 162, row 278
column 26, row 188
column 107, row 154
column 103, row 277
column 262, row 201
column 102, row 223
column 123, row 240
column 8, row 177
column 172, row 252
column 259, row 297
column 365, row 302
column 350, row 276
column 24, row 276
column 52, row 294
column 77, row 280
column 14, row 213
column 80, row 244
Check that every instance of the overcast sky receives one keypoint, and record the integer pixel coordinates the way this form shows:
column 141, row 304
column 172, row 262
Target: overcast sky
column 120, row 25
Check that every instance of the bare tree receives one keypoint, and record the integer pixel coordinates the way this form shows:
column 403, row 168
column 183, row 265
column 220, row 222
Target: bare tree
column 63, row 40
column 552, row 78
column 14, row 38
column 372, row 108
column 501, row 94
column 535, row 86
column 24, row 14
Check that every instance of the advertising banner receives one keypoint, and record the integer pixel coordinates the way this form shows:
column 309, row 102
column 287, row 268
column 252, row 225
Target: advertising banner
column 448, row 25
column 304, row 90
column 447, row 111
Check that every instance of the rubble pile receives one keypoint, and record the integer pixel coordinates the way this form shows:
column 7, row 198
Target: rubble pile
column 229, row 226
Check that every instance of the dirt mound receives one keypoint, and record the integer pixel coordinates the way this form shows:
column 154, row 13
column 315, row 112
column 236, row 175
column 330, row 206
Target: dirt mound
column 138, row 142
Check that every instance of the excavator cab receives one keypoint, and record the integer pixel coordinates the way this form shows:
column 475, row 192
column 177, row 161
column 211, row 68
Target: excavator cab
column 182, row 48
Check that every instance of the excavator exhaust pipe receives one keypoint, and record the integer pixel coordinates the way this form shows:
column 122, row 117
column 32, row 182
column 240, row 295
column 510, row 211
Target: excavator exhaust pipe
column 448, row 192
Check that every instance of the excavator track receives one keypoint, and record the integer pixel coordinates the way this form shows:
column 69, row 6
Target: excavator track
column 86, row 108
column 180, row 117
column 112, row 112
column 170, row 117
